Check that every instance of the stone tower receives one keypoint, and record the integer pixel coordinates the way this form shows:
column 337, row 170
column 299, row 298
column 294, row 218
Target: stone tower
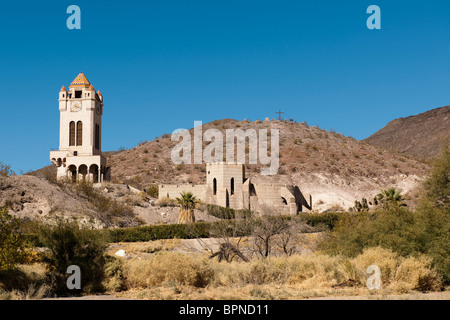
column 225, row 184
column 80, row 136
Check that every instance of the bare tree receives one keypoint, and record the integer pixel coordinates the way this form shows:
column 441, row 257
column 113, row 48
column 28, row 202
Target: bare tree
column 225, row 237
column 274, row 234
column 266, row 229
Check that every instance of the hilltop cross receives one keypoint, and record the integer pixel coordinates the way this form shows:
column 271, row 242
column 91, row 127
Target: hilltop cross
column 279, row 114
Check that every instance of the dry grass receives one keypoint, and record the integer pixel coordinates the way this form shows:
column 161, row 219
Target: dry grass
column 170, row 275
column 27, row 282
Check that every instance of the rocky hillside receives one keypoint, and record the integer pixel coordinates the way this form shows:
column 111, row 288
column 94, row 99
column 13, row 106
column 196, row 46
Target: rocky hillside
column 333, row 168
column 421, row 136
column 36, row 198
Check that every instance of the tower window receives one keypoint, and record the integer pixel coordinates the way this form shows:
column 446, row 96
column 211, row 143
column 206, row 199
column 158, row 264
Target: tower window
column 232, row 186
column 78, row 94
column 72, row 133
column 214, row 186
column 97, row 137
column 79, row 133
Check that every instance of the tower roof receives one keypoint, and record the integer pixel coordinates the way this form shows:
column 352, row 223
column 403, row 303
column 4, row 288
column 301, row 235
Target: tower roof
column 80, row 82
column 63, row 89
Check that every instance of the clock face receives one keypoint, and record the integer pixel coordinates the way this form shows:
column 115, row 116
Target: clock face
column 75, row 106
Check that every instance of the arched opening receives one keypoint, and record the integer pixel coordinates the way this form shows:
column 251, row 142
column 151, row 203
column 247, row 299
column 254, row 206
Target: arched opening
column 214, row 186
column 72, row 173
column 59, row 162
column 97, row 137
column 79, row 133
column 93, row 172
column 232, row 186
column 227, row 200
column 83, row 171
column 72, row 134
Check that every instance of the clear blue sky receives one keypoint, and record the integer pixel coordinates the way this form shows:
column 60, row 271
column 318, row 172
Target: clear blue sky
column 163, row 64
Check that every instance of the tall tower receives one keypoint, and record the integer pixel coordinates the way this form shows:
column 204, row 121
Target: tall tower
column 80, row 155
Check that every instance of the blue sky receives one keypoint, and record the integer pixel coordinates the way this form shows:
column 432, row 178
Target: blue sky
column 160, row 65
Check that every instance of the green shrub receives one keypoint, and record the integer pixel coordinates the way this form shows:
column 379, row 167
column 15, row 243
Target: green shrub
column 220, row 212
column 437, row 186
column 115, row 277
column 156, row 232
column 69, row 244
column 226, row 213
column 12, row 241
column 325, row 220
column 407, row 233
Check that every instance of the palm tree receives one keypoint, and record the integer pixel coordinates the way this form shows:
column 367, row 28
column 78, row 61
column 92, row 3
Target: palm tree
column 187, row 203
column 390, row 199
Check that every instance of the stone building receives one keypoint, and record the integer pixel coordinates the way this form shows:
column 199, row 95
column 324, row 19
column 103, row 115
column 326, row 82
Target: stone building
column 227, row 186
column 80, row 136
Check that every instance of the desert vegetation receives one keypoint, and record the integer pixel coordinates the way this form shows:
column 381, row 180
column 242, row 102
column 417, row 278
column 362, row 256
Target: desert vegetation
column 5, row 170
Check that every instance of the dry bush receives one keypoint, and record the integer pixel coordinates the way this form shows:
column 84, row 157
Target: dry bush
column 165, row 202
column 312, row 271
column 138, row 200
column 26, row 282
column 416, row 274
column 386, row 259
column 32, row 293
column 308, row 273
column 169, row 267
column 398, row 273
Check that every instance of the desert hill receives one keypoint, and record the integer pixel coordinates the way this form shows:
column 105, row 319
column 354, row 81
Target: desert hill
column 421, row 136
column 333, row 168
column 31, row 197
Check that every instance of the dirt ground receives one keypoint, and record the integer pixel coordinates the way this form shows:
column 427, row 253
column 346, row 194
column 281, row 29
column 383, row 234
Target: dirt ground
column 415, row 296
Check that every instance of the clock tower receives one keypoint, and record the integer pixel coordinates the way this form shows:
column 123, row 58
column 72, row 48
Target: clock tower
column 79, row 155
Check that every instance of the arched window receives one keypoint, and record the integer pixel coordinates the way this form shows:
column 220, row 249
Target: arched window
column 72, row 134
column 79, row 133
column 232, row 186
column 214, row 186
column 97, row 136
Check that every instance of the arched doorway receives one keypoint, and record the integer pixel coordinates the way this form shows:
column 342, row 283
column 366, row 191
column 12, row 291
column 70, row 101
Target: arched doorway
column 93, row 173
column 72, row 172
column 83, row 171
